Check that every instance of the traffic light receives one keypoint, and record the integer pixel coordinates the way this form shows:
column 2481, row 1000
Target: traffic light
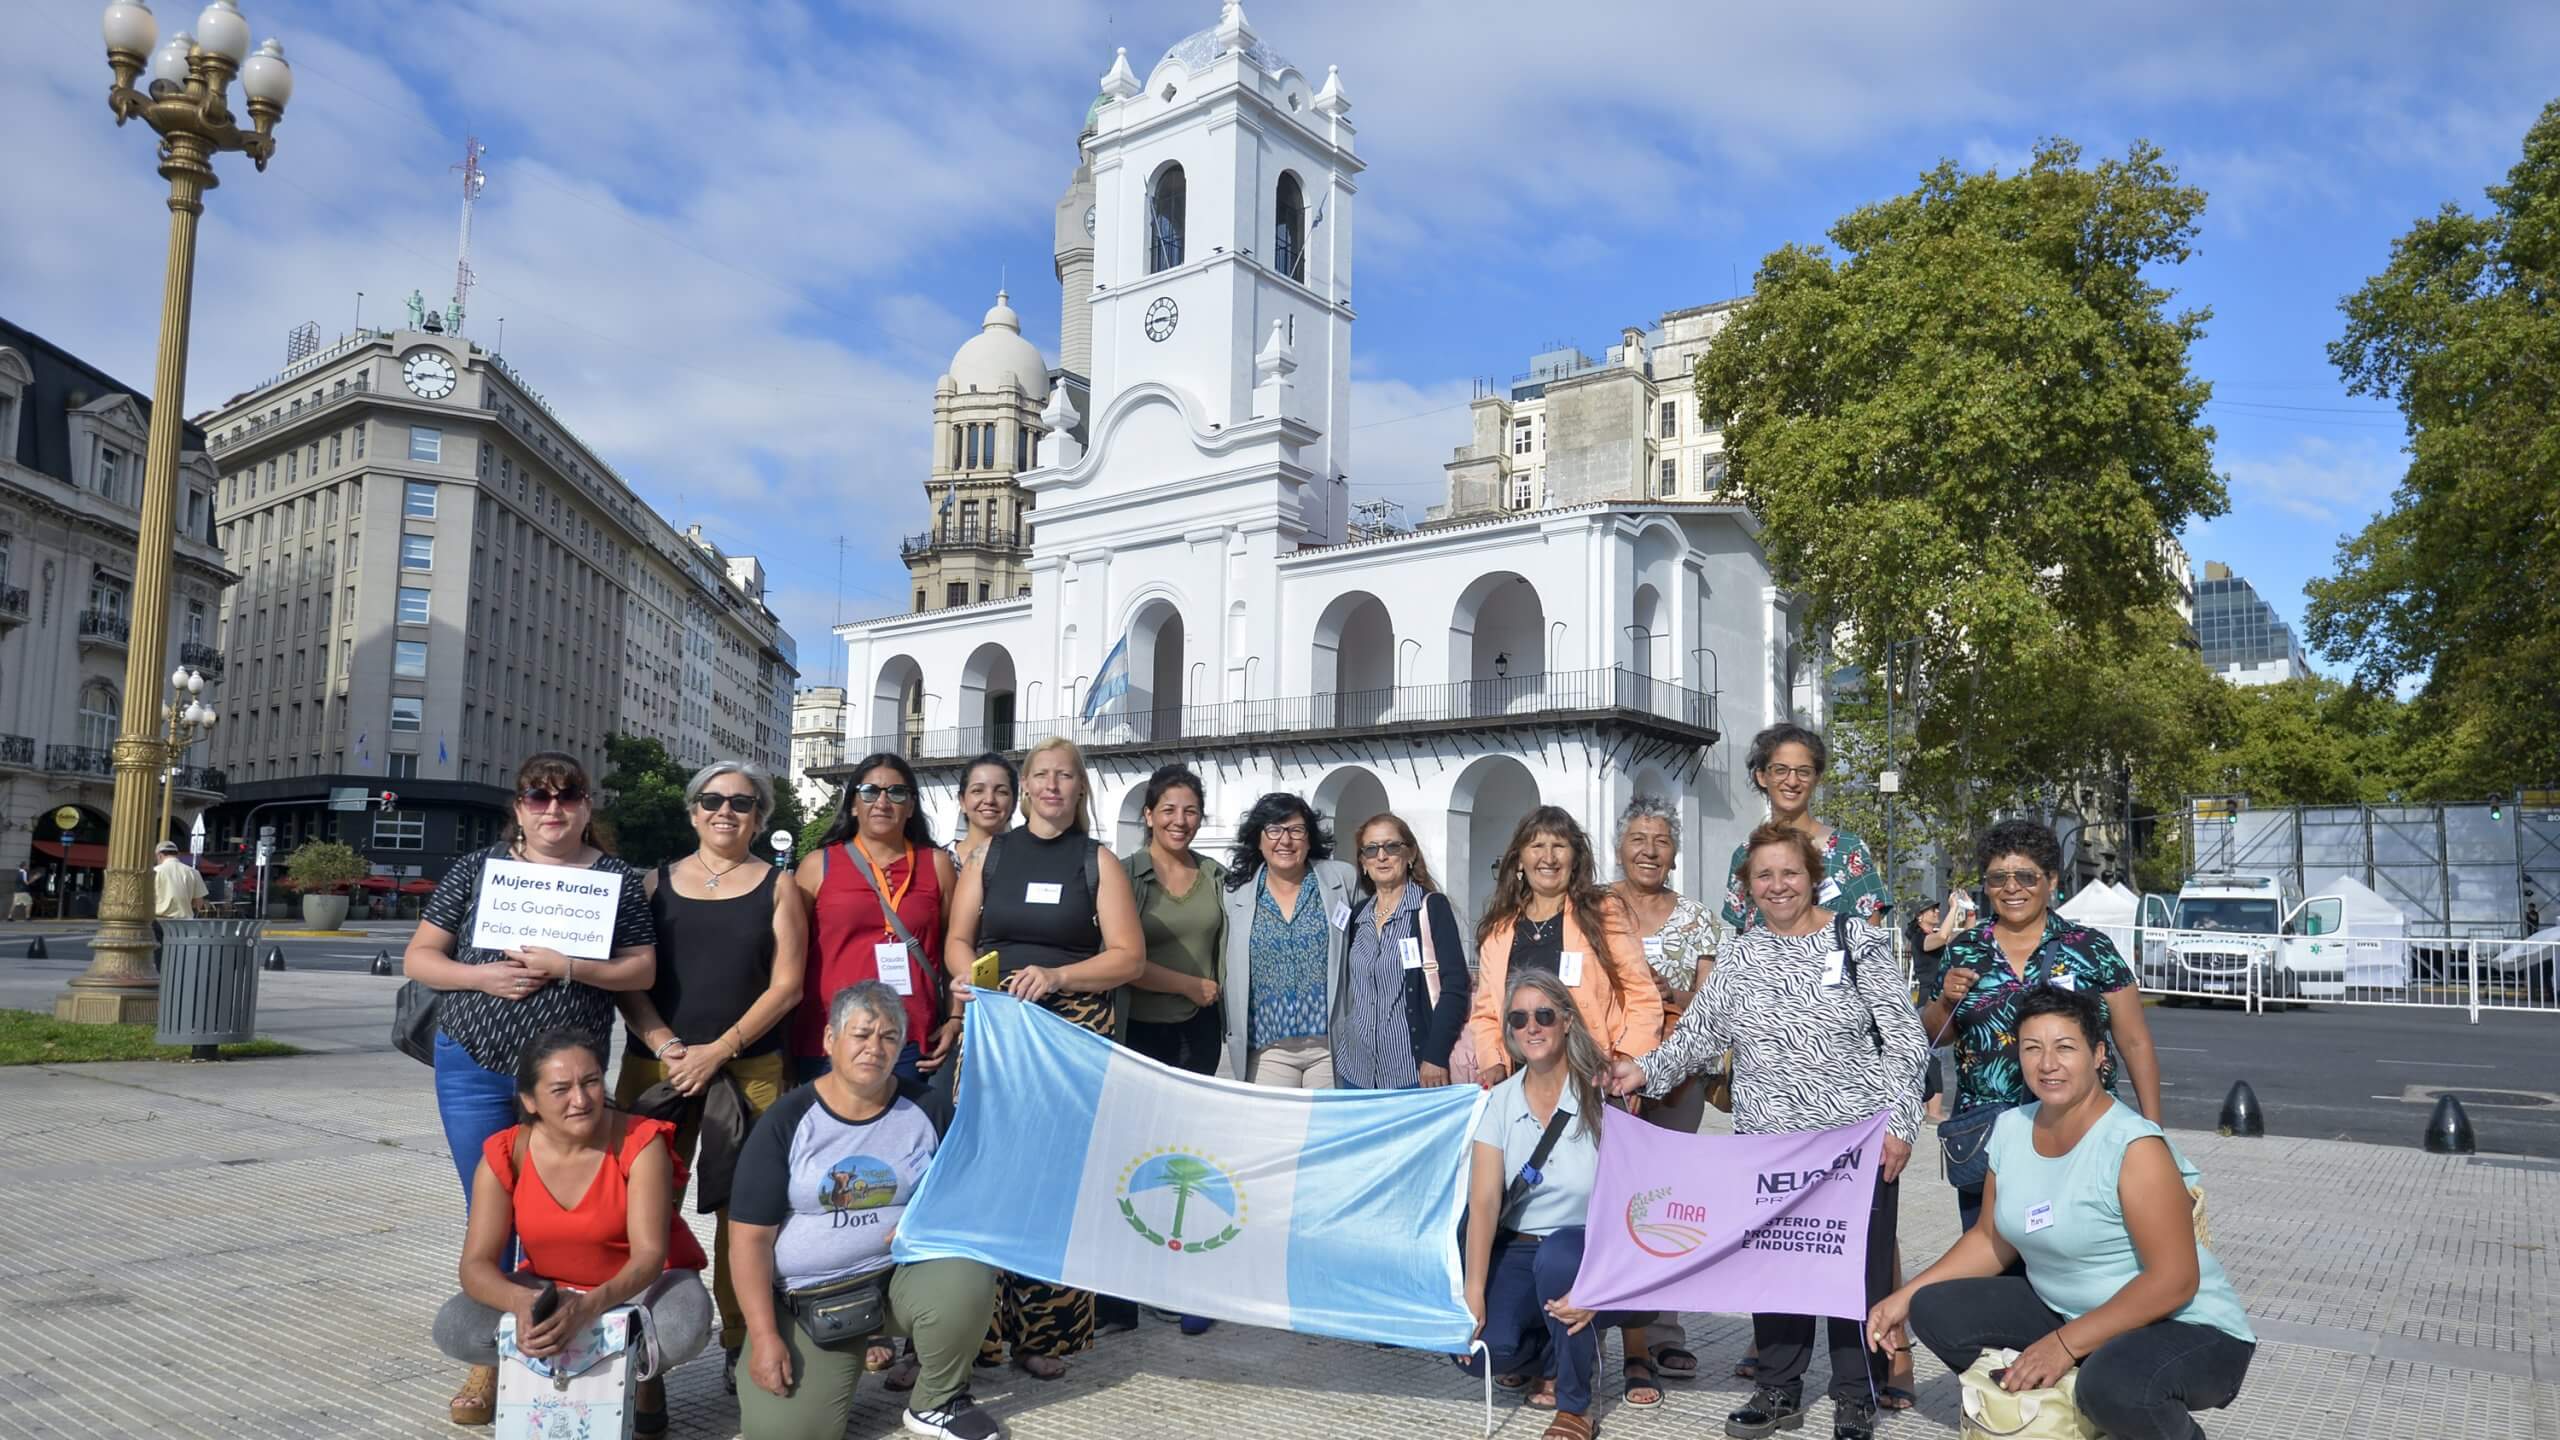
column 390, row 799
column 2497, row 808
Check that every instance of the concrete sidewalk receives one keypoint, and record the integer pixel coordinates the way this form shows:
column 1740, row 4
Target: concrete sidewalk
column 255, row 1248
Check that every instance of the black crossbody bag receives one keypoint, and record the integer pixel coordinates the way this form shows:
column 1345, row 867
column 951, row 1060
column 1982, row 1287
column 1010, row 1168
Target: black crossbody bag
column 1518, row 1190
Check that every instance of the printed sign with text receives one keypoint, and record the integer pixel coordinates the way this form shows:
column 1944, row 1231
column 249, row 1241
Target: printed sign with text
column 559, row 907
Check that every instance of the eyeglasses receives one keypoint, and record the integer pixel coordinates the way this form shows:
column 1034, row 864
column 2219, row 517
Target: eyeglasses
column 1545, row 1015
column 1284, row 832
column 537, row 797
column 1380, row 848
column 898, row 794
column 1790, row 772
column 713, row 804
column 2012, row 879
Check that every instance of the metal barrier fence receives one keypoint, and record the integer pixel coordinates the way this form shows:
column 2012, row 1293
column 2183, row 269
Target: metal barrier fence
column 2273, row 972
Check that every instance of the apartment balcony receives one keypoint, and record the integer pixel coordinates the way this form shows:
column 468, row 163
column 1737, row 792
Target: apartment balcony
column 79, row 760
column 104, row 630
column 1612, row 696
column 257, row 425
column 961, row 537
column 17, row 752
column 196, row 655
column 204, row 780
column 13, row 606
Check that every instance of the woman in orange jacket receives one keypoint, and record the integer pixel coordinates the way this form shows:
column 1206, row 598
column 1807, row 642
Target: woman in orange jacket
column 1549, row 911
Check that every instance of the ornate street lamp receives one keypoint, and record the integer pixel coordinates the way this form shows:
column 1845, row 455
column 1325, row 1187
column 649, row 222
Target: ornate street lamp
column 189, row 720
column 182, row 96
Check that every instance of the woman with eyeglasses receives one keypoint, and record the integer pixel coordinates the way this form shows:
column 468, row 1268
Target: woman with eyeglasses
column 1817, row 1017
column 1405, row 992
column 1288, row 929
column 1525, row 1211
column 495, row 1002
column 988, row 791
column 1786, row 763
column 1549, row 913
column 1055, row 908
column 1986, row 969
column 732, row 943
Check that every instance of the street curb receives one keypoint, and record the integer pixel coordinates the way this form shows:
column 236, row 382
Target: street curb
column 313, row 934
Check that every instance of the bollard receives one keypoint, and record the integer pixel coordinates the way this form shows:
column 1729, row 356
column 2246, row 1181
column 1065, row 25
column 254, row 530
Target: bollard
column 2240, row 1112
column 275, row 957
column 2449, row 1129
column 35, row 948
column 382, row 962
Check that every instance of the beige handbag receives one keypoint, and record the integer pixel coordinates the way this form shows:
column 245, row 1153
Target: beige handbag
column 1992, row 1413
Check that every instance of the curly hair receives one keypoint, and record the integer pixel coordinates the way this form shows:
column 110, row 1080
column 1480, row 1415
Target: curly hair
column 1268, row 811
column 2019, row 836
column 1786, row 732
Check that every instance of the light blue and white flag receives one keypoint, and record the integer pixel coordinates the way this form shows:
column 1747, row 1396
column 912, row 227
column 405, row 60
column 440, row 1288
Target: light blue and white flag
column 1111, row 684
column 1072, row 1160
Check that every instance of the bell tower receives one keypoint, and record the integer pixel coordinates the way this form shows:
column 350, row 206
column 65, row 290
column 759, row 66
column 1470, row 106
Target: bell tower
column 1073, row 254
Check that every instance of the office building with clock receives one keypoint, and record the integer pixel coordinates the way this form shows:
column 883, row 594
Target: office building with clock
column 1195, row 590
column 437, row 578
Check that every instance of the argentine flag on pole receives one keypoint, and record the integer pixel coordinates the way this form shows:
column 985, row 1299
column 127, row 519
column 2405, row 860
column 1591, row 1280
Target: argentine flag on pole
column 1072, row 1160
column 1111, row 684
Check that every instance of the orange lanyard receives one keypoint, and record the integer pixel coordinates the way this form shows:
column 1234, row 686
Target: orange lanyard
column 889, row 901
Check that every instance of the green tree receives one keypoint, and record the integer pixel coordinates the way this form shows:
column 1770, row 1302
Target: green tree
column 1975, row 432
column 646, row 814
column 2453, row 580
column 2311, row 741
column 1186, row 1176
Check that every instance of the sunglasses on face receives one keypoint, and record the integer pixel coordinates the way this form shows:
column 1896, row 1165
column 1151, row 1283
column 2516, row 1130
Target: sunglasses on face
column 537, row 797
column 740, row 804
column 1544, row 1015
column 898, row 794
column 1379, row 848
column 2013, row 880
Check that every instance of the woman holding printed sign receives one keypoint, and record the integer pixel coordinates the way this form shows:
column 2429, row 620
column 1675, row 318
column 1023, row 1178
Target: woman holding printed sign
column 1057, row 911
column 497, row 999
column 731, row 942
column 1816, row 1016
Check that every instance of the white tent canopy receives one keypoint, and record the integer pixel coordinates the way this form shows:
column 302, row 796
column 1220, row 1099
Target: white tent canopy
column 2373, row 931
column 2099, row 906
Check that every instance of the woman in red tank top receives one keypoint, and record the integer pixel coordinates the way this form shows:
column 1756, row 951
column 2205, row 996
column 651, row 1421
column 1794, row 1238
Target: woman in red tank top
column 591, row 1192
column 880, row 826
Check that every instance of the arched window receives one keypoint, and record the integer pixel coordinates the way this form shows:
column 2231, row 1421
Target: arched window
column 1289, row 230
column 100, row 715
column 1164, row 220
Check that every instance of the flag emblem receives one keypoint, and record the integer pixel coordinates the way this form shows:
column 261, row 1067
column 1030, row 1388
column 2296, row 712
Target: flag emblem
column 1653, row 1222
column 1162, row 1187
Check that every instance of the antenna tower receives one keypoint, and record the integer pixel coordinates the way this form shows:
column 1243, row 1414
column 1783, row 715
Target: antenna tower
column 302, row 342
column 473, row 177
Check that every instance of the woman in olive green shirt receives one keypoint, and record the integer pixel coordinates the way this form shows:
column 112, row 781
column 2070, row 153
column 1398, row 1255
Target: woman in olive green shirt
column 1173, row 1004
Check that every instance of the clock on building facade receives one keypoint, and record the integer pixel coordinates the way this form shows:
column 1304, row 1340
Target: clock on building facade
column 428, row 374
column 1162, row 316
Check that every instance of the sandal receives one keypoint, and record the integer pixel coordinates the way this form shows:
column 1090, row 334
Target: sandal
column 1642, row 1392
column 1570, row 1427
column 476, row 1403
column 1895, row 1397
column 1040, row 1367
column 1542, row 1397
column 1673, row 1363
column 1510, row 1381
column 1748, row 1367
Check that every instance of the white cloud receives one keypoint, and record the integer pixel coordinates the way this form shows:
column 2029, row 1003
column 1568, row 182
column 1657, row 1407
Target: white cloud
column 2336, row 483
column 1402, row 437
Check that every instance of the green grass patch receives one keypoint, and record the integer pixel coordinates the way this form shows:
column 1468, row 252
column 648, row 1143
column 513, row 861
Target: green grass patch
column 29, row 1038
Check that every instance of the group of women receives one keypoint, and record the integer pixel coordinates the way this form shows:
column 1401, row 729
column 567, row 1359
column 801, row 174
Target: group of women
column 828, row 1003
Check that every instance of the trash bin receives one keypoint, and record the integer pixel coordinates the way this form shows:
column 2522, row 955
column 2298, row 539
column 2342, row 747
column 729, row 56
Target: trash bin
column 208, row 983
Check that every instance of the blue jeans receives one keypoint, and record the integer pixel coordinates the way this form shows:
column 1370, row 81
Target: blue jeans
column 1523, row 1339
column 2142, row 1385
column 475, row 1103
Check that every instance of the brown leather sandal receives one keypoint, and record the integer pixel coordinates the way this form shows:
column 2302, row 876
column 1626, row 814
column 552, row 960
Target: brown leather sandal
column 1570, row 1427
column 476, row 1403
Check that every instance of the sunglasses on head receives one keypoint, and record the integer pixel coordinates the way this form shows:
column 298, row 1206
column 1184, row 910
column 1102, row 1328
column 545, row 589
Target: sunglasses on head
column 898, row 794
column 536, row 797
column 711, row 804
column 1544, row 1015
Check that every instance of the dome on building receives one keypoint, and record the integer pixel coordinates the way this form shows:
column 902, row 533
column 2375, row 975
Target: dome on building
column 1198, row 52
column 998, row 356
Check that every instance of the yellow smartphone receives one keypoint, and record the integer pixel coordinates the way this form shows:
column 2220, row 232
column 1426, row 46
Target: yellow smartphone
column 987, row 973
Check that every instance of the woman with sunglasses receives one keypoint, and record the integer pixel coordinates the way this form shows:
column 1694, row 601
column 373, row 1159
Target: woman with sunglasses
column 1405, row 991
column 1288, row 929
column 988, row 789
column 496, row 1001
column 732, row 944
column 1985, row 969
column 875, row 857
column 1786, row 764
column 1523, row 1250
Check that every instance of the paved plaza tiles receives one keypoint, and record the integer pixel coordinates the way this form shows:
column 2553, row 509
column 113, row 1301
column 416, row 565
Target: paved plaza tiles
column 253, row 1249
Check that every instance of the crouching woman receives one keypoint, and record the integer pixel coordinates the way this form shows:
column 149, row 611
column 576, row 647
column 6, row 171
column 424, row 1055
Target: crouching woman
column 591, row 1193
column 819, row 1192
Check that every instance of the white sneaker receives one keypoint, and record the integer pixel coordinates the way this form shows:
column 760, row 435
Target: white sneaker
column 958, row 1417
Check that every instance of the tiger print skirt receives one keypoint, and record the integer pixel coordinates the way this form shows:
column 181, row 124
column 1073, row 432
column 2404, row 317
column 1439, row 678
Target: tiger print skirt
column 1034, row 1317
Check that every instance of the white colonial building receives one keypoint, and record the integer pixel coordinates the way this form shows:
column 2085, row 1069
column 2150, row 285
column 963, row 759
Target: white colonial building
column 1193, row 596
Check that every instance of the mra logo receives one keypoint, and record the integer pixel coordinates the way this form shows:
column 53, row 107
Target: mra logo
column 1796, row 1182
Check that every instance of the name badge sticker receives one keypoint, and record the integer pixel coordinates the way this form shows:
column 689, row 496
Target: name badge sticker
column 1653, row 949
column 889, row 957
column 2064, row 980
column 1410, row 950
column 1835, row 969
column 1830, row 889
column 1569, row 967
column 1339, row 916
column 1042, row 893
column 2039, row 1217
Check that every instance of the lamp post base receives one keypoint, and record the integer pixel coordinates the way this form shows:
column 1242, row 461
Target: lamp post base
column 82, row 1006
column 122, row 984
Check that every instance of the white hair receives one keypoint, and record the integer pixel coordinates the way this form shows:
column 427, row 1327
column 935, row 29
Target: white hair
column 885, row 1005
column 1650, row 807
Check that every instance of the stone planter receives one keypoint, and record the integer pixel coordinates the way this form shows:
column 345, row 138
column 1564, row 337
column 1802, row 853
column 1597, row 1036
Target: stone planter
column 324, row 912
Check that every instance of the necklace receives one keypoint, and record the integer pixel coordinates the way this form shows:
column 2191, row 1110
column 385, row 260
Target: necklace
column 711, row 877
column 1543, row 930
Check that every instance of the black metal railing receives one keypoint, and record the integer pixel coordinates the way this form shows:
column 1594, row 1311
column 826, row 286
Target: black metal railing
column 955, row 537
column 206, row 778
column 13, row 603
column 18, row 750
column 1610, row 690
column 200, row 656
column 79, row 760
column 105, row 625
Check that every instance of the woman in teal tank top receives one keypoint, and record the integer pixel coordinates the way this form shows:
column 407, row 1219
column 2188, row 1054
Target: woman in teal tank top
column 2099, row 1207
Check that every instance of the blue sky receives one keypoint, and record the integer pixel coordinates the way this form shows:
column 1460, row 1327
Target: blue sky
column 736, row 244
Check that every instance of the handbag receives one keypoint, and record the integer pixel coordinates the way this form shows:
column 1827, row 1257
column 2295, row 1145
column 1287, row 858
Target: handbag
column 1462, row 1056
column 1992, row 1413
column 840, row 1312
column 1964, row 1145
column 415, row 1018
column 585, row 1390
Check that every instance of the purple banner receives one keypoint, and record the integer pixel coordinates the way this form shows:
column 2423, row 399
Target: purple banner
column 1735, row 1224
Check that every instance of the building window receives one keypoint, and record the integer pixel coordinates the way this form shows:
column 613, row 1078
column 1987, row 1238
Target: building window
column 195, row 513
column 110, row 477
column 418, row 500
column 409, row 659
column 325, row 598
column 399, row 830
column 1289, row 230
column 1165, row 205
column 417, row 552
column 403, row 767
column 1670, row 478
column 1521, row 430
column 1670, row 419
column 426, row 444
column 982, row 590
column 337, row 450
column 1021, row 450
column 413, row 605
column 972, row 450
column 292, row 468
column 1520, row 490
column 955, row 593
column 919, row 599
column 107, row 595
column 408, row 714
column 100, row 715
column 360, row 442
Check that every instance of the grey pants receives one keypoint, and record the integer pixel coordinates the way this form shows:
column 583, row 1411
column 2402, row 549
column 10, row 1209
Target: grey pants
column 679, row 1311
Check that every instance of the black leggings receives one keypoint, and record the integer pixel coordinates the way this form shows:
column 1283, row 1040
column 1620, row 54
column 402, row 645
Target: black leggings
column 1786, row 1341
column 2139, row 1386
